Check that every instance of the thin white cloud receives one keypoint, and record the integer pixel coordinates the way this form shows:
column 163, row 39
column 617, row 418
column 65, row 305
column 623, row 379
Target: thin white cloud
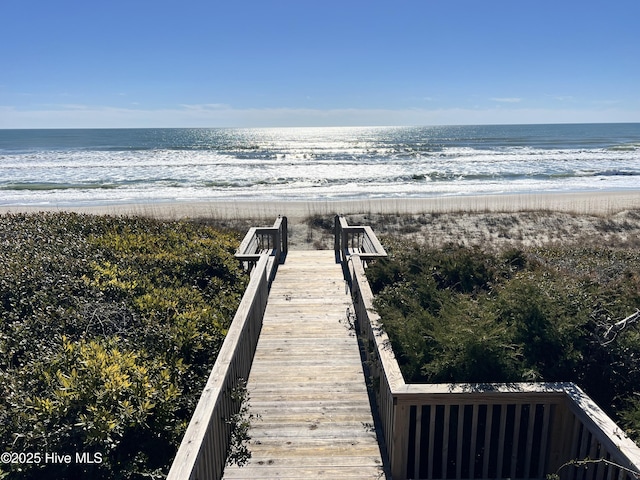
column 66, row 106
column 75, row 106
column 206, row 106
column 606, row 102
column 507, row 99
column 563, row 98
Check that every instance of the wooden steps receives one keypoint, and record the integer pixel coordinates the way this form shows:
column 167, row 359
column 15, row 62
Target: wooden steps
column 306, row 386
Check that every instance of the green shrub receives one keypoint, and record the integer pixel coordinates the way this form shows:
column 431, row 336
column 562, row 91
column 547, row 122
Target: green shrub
column 469, row 346
column 108, row 329
column 457, row 314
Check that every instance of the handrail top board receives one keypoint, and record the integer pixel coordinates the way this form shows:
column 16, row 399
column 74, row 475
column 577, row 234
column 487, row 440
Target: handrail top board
column 372, row 247
column 248, row 240
column 249, row 249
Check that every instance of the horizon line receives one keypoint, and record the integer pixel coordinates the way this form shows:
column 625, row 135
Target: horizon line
column 497, row 124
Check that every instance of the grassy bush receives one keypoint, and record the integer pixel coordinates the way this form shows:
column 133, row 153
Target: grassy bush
column 108, row 329
column 460, row 314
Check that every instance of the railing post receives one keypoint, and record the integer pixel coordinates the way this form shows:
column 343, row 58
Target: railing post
column 560, row 436
column 277, row 243
column 285, row 236
column 257, row 239
column 400, row 443
column 351, row 239
column 337, row 235
column 344, row 238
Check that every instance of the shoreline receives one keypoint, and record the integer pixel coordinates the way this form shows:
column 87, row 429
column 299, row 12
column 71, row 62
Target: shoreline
column 591, row 203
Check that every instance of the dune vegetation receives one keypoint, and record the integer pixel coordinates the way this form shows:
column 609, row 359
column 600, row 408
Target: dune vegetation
column 557, row 313
column 109, row 327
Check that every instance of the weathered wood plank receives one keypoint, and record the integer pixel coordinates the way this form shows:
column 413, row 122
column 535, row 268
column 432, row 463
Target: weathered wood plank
column 304, row 388
column 285, row 398
column 303, row 448
column 287, row 381
column 280, row 365
column 333, row 461
column 344, row 471
column 315, row 430
column 314, row 406
column 308, row 417
column 307, row 385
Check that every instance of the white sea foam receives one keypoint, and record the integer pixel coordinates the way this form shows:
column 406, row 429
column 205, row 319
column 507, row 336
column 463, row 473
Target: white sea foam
column 309, row 164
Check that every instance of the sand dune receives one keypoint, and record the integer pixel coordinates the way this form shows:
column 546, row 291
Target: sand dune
column 596, row 203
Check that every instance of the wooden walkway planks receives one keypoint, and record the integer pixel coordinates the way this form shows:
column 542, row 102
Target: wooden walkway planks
column 306, row 383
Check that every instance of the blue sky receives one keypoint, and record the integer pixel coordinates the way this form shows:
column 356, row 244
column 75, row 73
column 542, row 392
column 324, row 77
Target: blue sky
column 193, row 63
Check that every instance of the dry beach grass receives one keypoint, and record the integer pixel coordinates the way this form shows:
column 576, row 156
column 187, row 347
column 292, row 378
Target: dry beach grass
column 516, row 229
column 492, row 220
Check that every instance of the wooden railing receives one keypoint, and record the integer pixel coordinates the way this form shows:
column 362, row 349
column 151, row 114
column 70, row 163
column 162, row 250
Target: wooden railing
column 352, row 239
column 265, row 240
column 203, row 451
column 434, row 431
column 520, row 430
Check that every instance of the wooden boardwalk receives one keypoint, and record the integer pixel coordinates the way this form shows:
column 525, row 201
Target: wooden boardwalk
column 307, row 384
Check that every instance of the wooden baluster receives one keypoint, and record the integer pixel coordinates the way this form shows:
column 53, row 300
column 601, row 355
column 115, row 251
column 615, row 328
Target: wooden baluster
column 501, row 441
column 474, row 440
column 530, row 429
column 460, row 434
column 432, row 434
column 418, row 446
column 487, row 442
column 516, row 440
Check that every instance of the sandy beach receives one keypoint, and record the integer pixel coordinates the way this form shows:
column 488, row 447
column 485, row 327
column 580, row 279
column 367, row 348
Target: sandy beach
column 491, row 220
column 591, row 203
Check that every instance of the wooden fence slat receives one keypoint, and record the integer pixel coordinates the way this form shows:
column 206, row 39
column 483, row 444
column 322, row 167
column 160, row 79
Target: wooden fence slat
column 575, row 439
column 529, row 447
column 487, row 442
column 418, row 446
column 593, row 453
column 474, row 440
column 432, row 436
column 516, row 441
column 546, row 428
column 584, row 446
column 445, row 439
column 599, row 475
column 501, row 440
column 460, row 435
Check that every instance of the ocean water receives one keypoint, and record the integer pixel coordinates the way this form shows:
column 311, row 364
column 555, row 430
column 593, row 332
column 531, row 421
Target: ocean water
column 101, row 167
